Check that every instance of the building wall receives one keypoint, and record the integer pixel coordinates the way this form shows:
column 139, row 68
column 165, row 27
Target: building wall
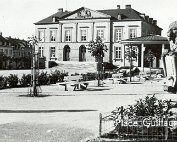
column 75, row 26
column 92, row 25
column 125, row 26
column 7, row 50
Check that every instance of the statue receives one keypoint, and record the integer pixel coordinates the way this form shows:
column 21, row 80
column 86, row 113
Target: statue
column 171, row 58
column 172, row 37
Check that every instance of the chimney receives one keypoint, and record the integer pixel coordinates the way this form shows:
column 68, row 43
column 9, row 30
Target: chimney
column 60, row 10
column 151, row 20
column 142, row 15
column 128, row 6
column 155, row 22
column 147, row 18
column 0, row 33
column 118, row 6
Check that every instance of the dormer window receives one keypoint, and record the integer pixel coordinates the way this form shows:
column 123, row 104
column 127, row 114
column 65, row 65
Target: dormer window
column 119, row 16
column 54, row 20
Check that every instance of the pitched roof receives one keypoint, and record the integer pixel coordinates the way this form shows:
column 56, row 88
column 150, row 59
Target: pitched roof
column 49, row 19
column 126, row 14
column 129, row 14
column 151, row 39
column 16, row 41
column 2, row 39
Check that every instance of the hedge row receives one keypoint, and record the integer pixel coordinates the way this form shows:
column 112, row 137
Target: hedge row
column 42, row 79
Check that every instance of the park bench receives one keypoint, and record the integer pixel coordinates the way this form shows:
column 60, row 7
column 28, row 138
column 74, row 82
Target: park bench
column 75, row 85
column 75, row 82
column 118, row 78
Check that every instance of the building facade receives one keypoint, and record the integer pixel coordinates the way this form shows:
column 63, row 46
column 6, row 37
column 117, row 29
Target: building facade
column 64, row 36
column 14, row 53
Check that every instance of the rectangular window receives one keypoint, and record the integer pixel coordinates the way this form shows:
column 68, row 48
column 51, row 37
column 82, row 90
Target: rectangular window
column 41, row 52
column 135, row 51
column 100, row 33
column 118, row 35
column 6, row 51
column 10, row 52
column 67, row 35
column 1, row 50
column 84, row 35
column 53, row 34
column 132, row 33
column 118, row 53
column 41, row 35
column 52, row 52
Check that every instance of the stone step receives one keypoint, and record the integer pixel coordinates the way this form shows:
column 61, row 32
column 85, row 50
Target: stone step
column 77, row 67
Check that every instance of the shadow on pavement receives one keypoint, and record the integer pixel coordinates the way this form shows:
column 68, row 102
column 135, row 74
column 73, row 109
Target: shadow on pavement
column 43, row 111
column 97, row 89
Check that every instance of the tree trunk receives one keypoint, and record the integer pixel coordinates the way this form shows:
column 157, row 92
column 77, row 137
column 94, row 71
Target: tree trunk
column 166, row 130
column 150, row 68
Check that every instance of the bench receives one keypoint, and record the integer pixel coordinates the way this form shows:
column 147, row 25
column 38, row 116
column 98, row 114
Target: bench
column 80, row 86
column 118, row 78
column 75, row 85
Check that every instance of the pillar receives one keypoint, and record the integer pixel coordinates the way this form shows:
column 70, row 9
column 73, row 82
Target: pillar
column 163, row 63
column 142, row 56
column 93, row 31
column 76, row 32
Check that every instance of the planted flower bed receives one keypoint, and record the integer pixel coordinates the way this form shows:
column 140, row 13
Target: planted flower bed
column 149, row 119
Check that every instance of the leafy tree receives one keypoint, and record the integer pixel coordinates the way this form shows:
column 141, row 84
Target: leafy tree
column 129, row 54
column 149, row 57
column 97, row 49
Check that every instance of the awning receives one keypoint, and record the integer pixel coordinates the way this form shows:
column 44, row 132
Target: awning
column 152, row 39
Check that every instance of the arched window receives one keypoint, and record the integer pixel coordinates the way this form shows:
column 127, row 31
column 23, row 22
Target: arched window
column 66, row 52
column 82, row 53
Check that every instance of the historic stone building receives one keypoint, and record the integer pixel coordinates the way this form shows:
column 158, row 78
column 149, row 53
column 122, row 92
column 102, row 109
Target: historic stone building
column 64, row 36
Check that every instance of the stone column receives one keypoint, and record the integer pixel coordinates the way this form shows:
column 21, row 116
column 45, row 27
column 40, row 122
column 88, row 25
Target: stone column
column 76, row 32
column 93, row 31
column 142, row 56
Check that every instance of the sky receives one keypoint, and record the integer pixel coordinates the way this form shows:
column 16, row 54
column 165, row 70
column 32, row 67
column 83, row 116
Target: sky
column 17, row 17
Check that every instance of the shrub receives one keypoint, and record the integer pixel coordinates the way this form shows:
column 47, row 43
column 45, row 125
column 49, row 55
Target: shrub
column 12, row 80
column 54, row 77
column 61, row 77
column 43, row 78
column 149, row 107
column 25, row 80
column 3, row 82
column 89, row 76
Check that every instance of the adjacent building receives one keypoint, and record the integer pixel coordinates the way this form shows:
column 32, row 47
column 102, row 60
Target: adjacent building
column 64, row 36
column 14, row 53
